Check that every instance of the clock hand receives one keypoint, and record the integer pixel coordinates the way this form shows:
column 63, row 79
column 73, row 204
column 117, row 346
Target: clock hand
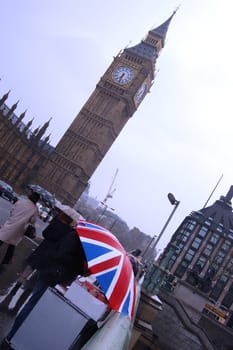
column 122, row 76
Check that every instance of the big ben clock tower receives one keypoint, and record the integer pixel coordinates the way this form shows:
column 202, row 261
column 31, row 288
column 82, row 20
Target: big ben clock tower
column 115, row 99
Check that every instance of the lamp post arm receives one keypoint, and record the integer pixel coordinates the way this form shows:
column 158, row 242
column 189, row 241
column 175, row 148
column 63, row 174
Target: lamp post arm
column 166, row 223
column 157, row 238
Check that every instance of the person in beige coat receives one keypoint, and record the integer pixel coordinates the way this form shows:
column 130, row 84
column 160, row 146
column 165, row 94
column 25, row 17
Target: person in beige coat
column 23, row 213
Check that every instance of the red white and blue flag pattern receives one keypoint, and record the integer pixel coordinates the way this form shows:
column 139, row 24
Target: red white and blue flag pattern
column 110, row 264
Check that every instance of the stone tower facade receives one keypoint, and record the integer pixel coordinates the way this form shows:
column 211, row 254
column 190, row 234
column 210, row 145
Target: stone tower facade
column 115, row 99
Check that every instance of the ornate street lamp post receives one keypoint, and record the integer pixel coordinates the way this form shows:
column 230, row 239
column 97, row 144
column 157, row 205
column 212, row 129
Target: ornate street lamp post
column 156, row 238
column 156, row 271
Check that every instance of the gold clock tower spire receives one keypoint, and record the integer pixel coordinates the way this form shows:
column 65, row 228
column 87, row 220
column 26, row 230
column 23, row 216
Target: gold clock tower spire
column 115, row 99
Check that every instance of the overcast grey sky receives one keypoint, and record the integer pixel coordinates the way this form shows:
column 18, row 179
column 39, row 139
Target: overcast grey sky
column 180, row 140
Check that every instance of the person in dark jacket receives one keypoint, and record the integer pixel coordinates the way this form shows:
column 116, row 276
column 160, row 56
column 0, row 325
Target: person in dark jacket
column 59, row 259
column 63, row 261
column 53, row 233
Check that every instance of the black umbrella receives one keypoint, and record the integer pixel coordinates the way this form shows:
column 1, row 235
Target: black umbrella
column 45, row 195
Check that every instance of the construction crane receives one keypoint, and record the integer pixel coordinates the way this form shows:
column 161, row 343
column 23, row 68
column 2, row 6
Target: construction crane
column 111, row 190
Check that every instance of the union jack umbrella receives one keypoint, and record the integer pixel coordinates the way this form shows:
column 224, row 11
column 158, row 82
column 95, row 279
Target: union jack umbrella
column 110, row 264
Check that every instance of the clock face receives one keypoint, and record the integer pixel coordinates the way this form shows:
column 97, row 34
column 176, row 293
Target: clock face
column 141, row 91
column 122, row 75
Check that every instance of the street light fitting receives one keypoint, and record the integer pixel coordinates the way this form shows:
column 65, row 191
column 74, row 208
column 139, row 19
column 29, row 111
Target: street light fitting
column 172, row 199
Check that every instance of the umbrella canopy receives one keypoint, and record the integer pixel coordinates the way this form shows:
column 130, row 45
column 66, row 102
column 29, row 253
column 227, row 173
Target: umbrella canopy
column 45, row 195
column 71, row 212
column 110, row 264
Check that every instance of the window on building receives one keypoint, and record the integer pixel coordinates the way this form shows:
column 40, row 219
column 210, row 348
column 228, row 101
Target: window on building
column 229, row 267
column 185, row 263
column 196, row 242
column 203, row 231
column 218, row 288
column 220, row 228
column 209, row 221
column 171, row 261
column 226, row 246
column 201, row 261
column 180, row 245
column 208, row 249
column 183, row 236
column 181, row 268
column 214, row 238
column 228, row 299
column 181, row 239
column 215, row 266
column 230, row 234
column 189, row 225
column 189, row 255
column 219, row 257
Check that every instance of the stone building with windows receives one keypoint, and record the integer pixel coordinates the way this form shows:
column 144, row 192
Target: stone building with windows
column 22, row 149
column 202, row 261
